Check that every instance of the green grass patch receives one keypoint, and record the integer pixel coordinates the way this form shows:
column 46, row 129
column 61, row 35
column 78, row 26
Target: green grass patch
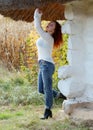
column 28, row 118
column 5, row 116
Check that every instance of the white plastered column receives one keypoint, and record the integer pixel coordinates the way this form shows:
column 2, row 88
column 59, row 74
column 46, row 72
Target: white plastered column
column 77, row 78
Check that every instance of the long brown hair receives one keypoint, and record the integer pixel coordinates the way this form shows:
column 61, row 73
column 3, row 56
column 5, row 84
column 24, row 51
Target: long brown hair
column 57, row 35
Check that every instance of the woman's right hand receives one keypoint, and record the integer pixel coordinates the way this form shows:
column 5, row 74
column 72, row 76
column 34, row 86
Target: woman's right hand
column 38, row 12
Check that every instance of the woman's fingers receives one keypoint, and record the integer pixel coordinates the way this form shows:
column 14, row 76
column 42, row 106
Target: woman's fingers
column 39, row 11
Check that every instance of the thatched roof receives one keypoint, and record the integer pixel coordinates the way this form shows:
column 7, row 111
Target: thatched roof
column 24, row 9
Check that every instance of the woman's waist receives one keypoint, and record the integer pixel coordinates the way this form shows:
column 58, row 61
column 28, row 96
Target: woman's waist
column 46, row 58
column 44, row 62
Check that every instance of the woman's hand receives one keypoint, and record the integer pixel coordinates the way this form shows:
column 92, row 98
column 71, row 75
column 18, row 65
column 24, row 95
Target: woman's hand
column 39, row 11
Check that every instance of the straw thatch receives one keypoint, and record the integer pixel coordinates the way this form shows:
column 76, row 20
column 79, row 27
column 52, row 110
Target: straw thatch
column 24, row 9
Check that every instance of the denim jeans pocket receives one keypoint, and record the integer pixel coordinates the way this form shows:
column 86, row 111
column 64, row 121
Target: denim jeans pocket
column 47, row 66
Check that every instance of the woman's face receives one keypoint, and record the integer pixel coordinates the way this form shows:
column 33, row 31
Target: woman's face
column 50, row 28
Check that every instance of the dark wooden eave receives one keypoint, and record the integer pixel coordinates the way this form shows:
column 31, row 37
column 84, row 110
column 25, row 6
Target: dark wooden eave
column 24, row 9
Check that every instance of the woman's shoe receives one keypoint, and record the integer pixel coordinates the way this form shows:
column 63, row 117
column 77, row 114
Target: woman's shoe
column 60, row 95
column 47, row 113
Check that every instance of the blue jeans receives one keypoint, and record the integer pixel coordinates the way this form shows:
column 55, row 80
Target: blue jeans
column 45, row 82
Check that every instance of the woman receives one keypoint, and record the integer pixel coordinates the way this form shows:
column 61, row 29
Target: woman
column 50, row 38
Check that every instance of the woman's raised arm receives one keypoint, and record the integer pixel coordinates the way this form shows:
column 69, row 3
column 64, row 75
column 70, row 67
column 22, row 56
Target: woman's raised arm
column 37, row 22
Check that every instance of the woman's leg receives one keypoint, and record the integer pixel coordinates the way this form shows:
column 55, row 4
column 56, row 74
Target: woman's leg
column 48, row 90
column 55, row 93
column 40, row 83
column 47, row 73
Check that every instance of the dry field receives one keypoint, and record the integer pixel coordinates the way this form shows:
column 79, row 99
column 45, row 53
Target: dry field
column 13, row 36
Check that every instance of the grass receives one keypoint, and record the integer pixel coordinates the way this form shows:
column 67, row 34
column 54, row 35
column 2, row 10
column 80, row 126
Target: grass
column 5, row 116
column 28, row 118
column 27, row 107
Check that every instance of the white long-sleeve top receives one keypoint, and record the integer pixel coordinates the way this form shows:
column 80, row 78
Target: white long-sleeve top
column 45, row 42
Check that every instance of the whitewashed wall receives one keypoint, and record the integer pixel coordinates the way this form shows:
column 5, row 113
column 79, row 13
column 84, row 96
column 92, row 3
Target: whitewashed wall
column 77, row 78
